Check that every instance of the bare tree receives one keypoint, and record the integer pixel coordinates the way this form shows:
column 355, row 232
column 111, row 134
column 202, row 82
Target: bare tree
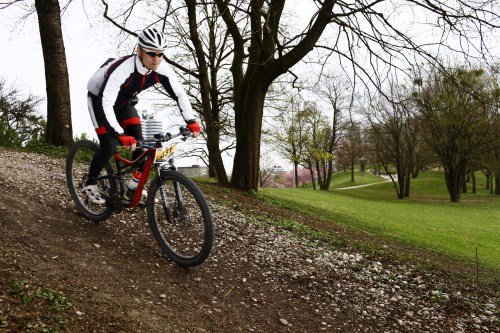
column 351, row 146
column 338, row 93
column 394, row 133
column 201, row 42
column 456, row 114
column 266, row 170
column 209, row 94
column 264, row 49
column 291, row 135
column 59, row 129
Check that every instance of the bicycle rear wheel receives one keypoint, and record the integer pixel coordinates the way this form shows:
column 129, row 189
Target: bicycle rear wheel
column 77, row 167
column 180, row 218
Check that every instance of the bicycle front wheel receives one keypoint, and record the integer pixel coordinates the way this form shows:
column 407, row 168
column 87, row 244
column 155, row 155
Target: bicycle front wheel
column 180, row 218
column 77, row 167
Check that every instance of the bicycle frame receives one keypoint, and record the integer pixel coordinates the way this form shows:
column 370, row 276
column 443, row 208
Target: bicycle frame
column 145, row 172
column 151, row 157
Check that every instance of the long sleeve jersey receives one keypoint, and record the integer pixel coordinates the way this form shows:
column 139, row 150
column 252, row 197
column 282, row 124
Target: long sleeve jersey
column 119, row 80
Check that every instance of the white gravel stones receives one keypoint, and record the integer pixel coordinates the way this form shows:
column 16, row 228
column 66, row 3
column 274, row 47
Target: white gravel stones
column 284, row 321
column 331, row 282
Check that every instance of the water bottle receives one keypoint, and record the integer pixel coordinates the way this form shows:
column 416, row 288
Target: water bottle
column 132, row 185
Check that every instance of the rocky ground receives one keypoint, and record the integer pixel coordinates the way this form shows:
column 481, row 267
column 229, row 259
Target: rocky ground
column 260, row 278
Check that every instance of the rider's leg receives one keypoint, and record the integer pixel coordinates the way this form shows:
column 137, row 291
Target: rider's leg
column 107, row 147
column 131, row 124
column 106, row 135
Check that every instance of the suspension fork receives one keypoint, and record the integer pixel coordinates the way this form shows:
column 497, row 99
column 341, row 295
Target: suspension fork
column 163, row 195
column 180, row 200
column 179, row 210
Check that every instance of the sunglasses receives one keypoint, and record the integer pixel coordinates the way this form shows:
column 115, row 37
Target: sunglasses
column 154, row 54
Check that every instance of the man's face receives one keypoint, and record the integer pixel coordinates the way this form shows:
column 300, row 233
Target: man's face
column 150, row 59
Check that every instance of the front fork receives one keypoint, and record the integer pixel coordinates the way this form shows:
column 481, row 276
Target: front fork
column 179, row 209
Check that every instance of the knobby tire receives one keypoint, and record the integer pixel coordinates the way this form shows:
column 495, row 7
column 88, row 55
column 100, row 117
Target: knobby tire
column 74, row 185
column 161, row 213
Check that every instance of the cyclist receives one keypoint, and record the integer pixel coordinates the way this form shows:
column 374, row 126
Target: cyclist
column 112, row 96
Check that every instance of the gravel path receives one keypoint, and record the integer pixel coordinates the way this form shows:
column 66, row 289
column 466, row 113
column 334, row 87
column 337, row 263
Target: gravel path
column 259, row 278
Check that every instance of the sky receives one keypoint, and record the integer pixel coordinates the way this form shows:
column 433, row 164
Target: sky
column 26, row 70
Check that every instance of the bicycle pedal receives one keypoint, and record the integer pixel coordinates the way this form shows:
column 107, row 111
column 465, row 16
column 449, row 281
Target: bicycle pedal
column 141, row 205
column 115, row 203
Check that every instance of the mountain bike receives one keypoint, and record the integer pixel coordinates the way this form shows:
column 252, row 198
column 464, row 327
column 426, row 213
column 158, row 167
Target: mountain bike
column 177, row 211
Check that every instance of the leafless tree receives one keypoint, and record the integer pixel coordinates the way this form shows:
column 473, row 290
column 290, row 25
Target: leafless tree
column 58, row 130
column 264, row 48
column 200, row 49
column 290, row 137
column 394, row 134
column 338, row 92
column 351, row 146
column 266, row 171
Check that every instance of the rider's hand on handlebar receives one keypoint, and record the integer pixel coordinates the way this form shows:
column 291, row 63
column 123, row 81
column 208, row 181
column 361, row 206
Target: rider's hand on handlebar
column 128, row 141
column 193, row 127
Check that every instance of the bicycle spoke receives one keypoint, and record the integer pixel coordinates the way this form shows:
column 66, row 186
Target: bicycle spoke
column 77, row 166
column 180, row 219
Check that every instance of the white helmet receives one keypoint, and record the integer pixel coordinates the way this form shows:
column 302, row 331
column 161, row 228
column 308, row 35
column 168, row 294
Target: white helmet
column 152, row 39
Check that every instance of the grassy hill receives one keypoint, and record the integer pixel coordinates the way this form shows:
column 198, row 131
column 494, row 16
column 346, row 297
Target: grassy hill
column 427, row 219
column 343, row 179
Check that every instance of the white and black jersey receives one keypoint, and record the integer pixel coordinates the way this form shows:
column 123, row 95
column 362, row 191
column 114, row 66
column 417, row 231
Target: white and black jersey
column 118, row 81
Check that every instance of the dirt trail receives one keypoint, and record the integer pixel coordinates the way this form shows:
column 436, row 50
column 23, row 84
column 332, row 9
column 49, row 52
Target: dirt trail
column 258, row 279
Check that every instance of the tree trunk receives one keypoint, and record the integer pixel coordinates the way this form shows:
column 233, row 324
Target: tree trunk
column 407, row 184
column 329, row 173
column 415, row 171
column 319, row 175
column 59, row 131
column 497, row 184
column 401, row 180
column 211, row 168
column 474, row 189
column 311, row 171
column 249, row 110
column 401, row 184
column 464, row 184
column 296, row 173
column 488, row 180
column 352, row 171
column 454, row 176
column 215, row 156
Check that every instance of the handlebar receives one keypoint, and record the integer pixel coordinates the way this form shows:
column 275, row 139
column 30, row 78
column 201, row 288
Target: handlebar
column 164, row 137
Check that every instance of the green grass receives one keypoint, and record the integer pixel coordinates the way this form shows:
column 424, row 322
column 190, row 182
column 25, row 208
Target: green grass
column 28, row 308
column 343, row 179
column 427, row 220
column 49, row 150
